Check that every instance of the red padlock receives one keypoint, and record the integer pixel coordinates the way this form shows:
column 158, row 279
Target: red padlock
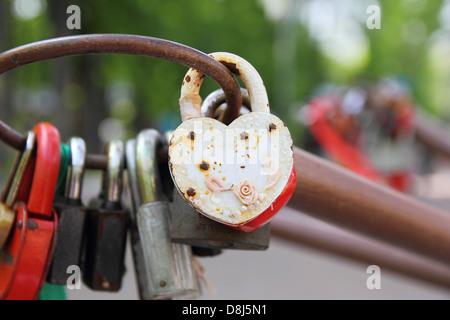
column 27, row 253
column 322, row 116
column 332, row 142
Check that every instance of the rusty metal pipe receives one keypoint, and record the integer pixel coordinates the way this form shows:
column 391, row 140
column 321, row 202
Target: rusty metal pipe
column 309, row 232
column 123, row 44
column 433, row 134
column 336, row 195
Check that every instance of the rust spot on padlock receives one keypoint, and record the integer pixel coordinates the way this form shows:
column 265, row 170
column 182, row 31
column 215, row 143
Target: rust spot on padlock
column 204, row 166
column 191, row 135
column 188, row 78
column 244, row 136
column 162, row 283
column 272, row 127
column 191, row 192
column 32, row 225
column 232, row 67
column 105, row 284
column 6, row 257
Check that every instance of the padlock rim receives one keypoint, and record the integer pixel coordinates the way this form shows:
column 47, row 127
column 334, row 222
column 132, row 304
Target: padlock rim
column 46, row 171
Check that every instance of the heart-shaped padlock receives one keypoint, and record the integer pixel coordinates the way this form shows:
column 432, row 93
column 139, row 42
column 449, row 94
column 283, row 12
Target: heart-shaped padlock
column 242, row 174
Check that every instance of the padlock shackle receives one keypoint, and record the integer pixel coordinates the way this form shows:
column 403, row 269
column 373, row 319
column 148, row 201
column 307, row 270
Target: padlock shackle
column 130, row 157
column 148, row 177
column 18, row 171
column 216, row 99
column 113, row 176
column 190, row 100
column 75, row 172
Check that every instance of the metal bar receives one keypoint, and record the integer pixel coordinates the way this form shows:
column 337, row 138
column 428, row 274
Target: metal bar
column 334, row 194
column 303, row 230
column 433, row 135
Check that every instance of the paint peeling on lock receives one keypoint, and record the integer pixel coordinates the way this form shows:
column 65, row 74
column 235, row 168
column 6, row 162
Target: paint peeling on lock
column 239, row 171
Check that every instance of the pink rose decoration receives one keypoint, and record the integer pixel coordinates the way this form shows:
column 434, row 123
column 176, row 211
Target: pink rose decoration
column 246, row 192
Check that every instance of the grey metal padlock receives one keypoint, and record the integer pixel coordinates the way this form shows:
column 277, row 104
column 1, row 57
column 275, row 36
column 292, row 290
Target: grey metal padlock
column 165, row 269
column 71, row 217
column 135, row 201
column 192, row 228
column 106, row 228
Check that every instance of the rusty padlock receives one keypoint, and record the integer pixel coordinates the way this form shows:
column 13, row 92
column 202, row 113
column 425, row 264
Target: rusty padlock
column 168, row 268
column 71, row 215
column 240, row 175
column 106, row 228
column 206, row 236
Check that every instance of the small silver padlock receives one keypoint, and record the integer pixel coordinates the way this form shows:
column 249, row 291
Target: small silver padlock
column 166, row 269
column 107, row 223
column 135, row 201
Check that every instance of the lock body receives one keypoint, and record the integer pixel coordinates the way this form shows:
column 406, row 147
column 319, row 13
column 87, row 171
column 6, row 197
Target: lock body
column 106, row 234
column 169, row 265
column 207, row 237
column 68, row 248
column 192, row 228
column 106, row 229
column 71, row 216
column 165, row 270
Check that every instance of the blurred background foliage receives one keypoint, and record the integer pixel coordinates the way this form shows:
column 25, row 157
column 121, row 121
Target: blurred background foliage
column 298, row 47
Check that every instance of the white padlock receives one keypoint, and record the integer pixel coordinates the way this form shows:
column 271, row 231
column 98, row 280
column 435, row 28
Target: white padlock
column 240, row 174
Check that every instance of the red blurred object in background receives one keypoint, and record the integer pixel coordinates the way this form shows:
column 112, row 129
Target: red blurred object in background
column 341, row 136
